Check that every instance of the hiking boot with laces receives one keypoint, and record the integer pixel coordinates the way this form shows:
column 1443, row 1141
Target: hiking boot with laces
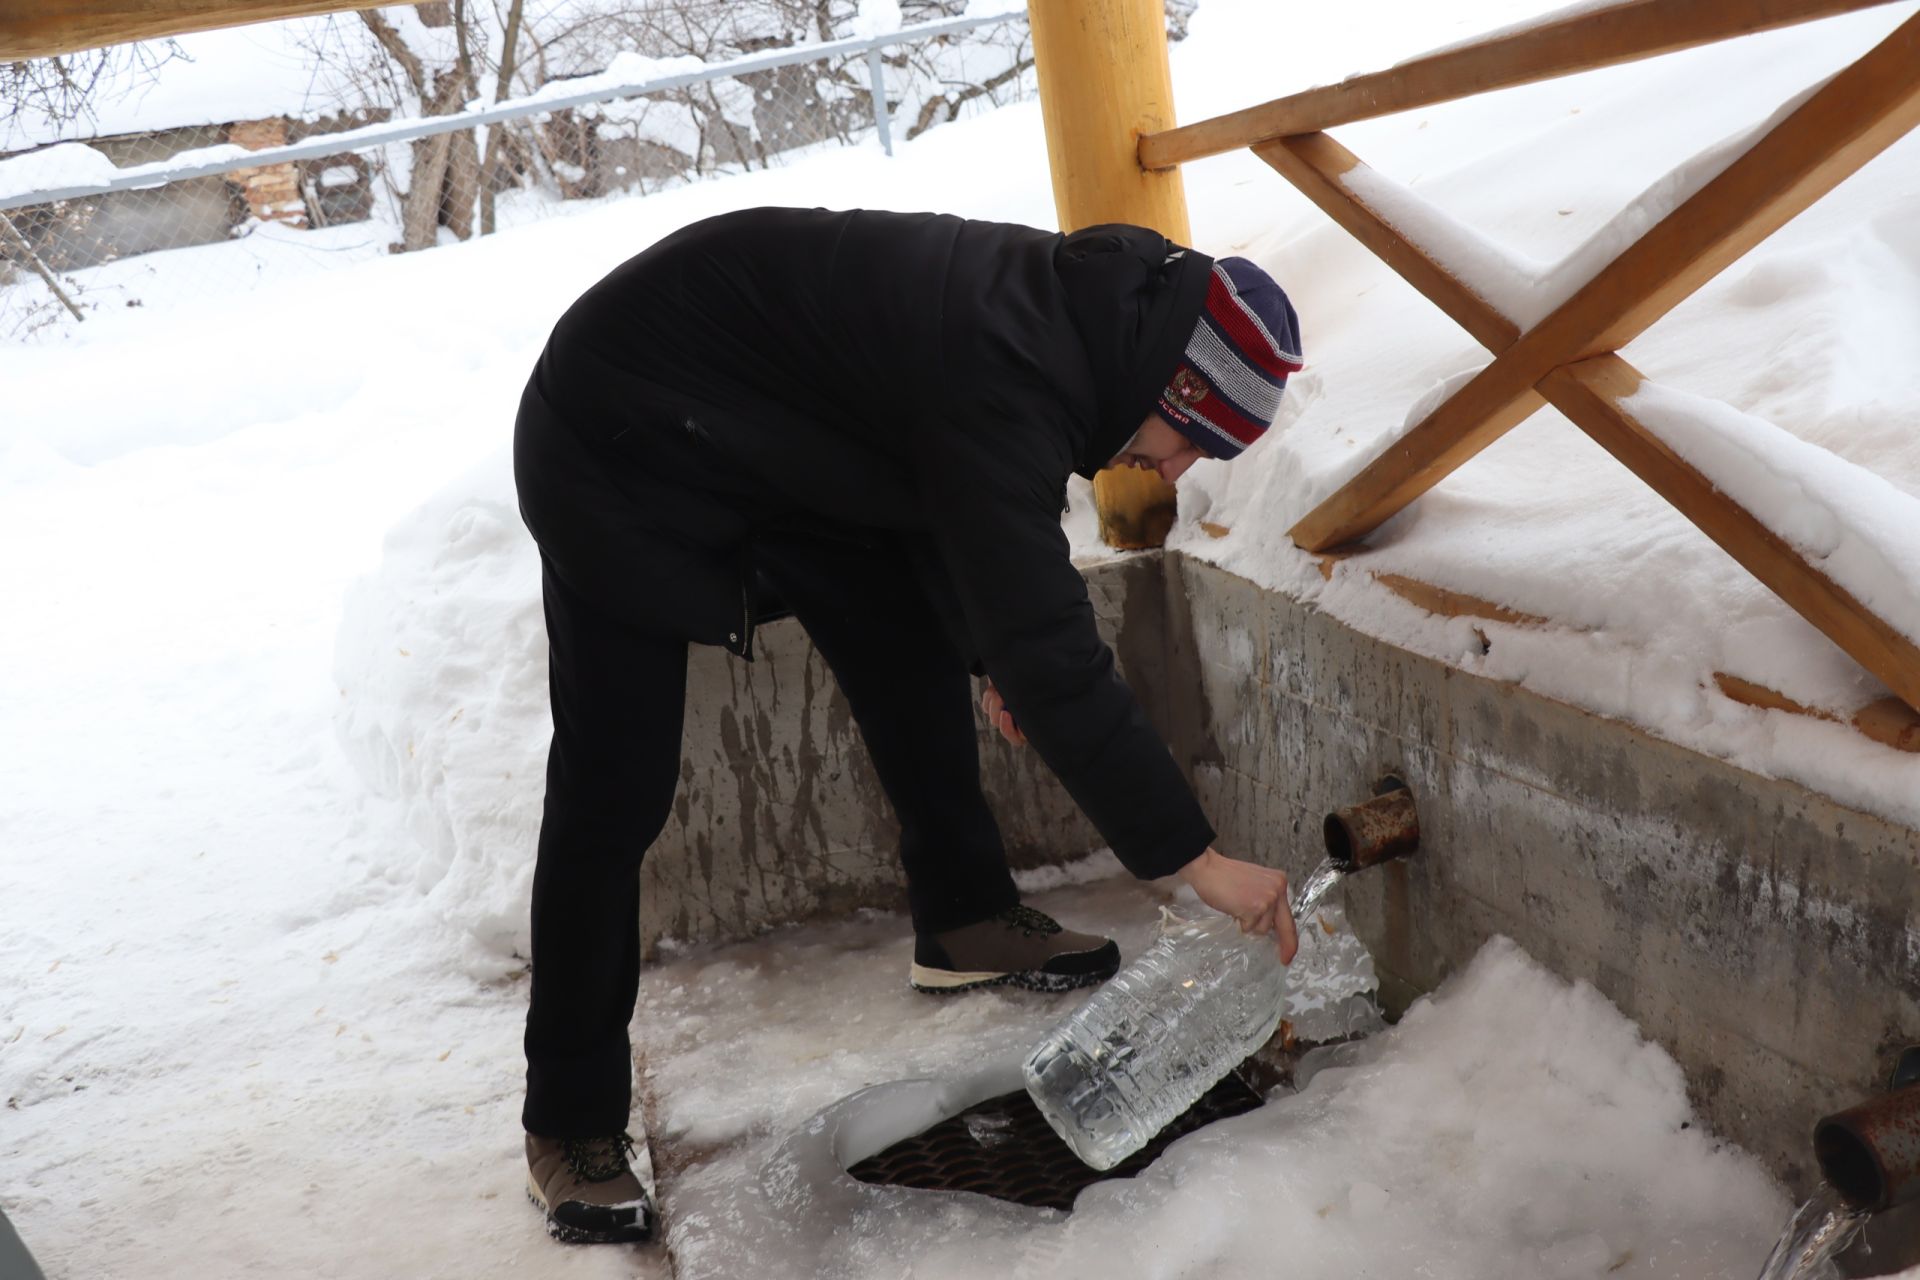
column 1019, row 947
column 587, row 1189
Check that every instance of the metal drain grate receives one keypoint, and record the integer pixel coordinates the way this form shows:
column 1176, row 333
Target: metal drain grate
column 1003, row 1147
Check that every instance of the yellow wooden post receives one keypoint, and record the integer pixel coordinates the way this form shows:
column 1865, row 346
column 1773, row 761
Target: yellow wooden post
column 1104, row 82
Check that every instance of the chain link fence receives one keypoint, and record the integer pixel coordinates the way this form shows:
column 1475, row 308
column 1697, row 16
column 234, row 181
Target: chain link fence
column 417, row 127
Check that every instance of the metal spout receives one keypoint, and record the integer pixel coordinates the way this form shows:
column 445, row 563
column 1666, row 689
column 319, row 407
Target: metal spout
column 1870, row 1153
column 1374, row 831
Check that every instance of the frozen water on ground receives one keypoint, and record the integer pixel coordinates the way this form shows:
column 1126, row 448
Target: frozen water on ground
column 1512, row 1125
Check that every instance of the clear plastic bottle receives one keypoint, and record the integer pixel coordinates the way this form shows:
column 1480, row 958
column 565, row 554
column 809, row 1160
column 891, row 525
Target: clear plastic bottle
column 1159, row 1034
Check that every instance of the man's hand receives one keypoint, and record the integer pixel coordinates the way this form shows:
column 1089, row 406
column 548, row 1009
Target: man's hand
column 1254, row 895
column 1001, row 718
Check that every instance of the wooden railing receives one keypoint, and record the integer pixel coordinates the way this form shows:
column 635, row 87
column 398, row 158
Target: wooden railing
column 1569, row 359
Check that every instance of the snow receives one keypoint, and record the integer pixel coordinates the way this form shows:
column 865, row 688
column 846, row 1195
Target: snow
column 259, row 1003
column 829, row 999
column 875, row 18
column 1853, row 526
column 627, row 68
column 1527, row 292
column 462, row 751
column 1806, row 333
column 70, row 164
column 73, row 166
column 1534, row 23
column 236, row 73
column 1445, row 1147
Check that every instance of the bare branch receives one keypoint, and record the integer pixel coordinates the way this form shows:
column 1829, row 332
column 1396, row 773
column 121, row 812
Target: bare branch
column 397, row 49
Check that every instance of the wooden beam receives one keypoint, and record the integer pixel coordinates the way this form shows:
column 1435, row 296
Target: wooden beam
column 1625, row 32
column 1590, row 392
column 1136, row 508
column 1104, row 80
column 47, row 28
column 1447, row 603
column 1316, row 163
column 1748, row 694
column 1850, row 119
column 1888, row 721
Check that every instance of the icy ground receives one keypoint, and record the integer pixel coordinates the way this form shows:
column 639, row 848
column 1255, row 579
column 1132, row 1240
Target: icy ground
column 1513, row 1126
column 258, row 1010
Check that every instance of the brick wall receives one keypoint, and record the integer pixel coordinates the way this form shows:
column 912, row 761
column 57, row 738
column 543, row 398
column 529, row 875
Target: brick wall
column 272, row 191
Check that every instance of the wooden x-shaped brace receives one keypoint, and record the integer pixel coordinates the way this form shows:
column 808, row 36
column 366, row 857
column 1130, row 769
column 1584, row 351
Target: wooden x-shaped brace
column 1568, row 359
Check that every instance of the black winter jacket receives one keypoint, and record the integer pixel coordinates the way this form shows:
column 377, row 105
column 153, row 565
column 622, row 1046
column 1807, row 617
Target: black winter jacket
column 910, row 377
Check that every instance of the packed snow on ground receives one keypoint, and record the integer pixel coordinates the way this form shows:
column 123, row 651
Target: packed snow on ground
column 1512, row 1126
column 271, row 671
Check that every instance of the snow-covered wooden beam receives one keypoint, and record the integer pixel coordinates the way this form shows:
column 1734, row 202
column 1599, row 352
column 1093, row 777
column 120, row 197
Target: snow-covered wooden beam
column 1887, row 721
column 1808, row 151
column 1625, row 32
column 1599, row 395
column 1863, row 523
column 47, row 28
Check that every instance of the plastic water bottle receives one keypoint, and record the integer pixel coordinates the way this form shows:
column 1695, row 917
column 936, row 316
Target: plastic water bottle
column 1159, row 1034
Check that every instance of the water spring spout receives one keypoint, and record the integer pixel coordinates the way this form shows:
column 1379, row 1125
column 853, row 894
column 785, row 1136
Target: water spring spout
column 1870, row 1157
column 1373, row 831
column 1870, row 1153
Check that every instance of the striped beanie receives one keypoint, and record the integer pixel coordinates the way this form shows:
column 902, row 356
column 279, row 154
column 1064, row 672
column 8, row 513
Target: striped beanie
column 1226, row 388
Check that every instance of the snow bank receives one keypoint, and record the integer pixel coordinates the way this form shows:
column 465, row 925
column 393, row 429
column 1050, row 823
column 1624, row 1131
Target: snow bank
column 442, row 668
column 1512, row 1125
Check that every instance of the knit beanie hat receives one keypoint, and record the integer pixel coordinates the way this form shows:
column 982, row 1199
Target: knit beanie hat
column 1226, row 389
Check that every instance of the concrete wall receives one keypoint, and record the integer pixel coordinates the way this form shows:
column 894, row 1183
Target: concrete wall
column 780, row 816
column 1764, row 934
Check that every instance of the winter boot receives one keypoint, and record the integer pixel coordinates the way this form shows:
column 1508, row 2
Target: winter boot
column 1020, row 946
column 588, row 1190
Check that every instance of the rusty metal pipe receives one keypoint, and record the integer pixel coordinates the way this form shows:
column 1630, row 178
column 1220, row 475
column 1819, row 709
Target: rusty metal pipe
column 1373, row 831
column 1870, row 1153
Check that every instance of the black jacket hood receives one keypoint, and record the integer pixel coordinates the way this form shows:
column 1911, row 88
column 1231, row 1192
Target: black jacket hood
column 1134, row 296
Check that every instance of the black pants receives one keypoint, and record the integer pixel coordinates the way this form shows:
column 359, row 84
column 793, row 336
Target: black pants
column 619, row 691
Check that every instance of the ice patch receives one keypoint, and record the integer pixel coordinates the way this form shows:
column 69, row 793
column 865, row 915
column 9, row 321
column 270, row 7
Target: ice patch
column 1513, row 1125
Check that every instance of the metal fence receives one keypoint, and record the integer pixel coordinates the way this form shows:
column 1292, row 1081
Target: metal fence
column 148, row 219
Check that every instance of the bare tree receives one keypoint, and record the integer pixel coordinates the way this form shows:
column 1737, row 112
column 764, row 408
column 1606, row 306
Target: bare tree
column 445, row 180
column 497, row 135
column 65, row 89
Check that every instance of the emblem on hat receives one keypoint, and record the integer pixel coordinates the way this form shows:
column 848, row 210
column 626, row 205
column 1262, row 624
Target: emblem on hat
column 1187, row 388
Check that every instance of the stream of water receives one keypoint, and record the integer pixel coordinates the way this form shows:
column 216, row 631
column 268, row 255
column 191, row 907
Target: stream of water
column 1315, row 887
column 1815, row 1235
